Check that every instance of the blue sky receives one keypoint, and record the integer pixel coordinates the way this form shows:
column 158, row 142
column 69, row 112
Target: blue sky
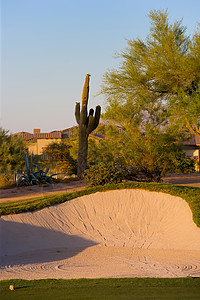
column 47, row 47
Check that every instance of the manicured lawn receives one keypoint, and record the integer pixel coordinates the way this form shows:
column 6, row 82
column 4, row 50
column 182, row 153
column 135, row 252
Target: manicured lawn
column 121, row 288
column 189, row 194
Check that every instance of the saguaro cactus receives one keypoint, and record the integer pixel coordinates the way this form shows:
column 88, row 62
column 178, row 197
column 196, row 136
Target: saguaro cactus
column 87, row 123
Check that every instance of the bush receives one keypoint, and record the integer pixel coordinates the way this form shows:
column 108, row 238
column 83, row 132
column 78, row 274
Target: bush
column 180, row 163
column 102, row 174
column 141, row 174
column 59, row 158
column 11, row 154
column 3, row 181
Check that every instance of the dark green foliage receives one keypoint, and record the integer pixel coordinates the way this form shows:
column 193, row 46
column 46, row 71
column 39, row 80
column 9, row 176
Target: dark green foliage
column 142, row 156
column 11, row 154
column 142, row 174
column 102, row 174
column 58, row 156
column 104, row 288
column 179, row 163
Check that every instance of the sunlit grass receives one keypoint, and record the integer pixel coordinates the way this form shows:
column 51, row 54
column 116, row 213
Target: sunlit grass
column 112, row 288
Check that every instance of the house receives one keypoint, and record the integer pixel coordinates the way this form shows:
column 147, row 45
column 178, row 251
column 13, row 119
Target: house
column 192, row 148
column 38, row 140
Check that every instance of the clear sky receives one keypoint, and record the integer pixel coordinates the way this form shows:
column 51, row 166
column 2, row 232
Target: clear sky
column 48, row 46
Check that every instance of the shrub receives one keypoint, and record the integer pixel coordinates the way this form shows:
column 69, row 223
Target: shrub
column 180, row 163
column 142, row 174
column 11, row 154
column 59, row 158
column 102, row 174
column 5, row 182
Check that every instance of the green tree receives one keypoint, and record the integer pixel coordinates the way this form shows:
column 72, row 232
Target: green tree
column 185, row 110
column 149, row 149
column 59, row 157
column 154, row 75
column 106, row 149
column 11, row 153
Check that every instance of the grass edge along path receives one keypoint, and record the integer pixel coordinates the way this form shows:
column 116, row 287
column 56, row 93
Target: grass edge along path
column 103, row 288
column 190, row 194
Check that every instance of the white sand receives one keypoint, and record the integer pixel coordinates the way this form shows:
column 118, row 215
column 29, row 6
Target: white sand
column 123, row 233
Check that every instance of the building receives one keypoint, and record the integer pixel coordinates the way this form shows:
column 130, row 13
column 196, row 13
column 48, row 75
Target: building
column 38, row 140
column 192, row 148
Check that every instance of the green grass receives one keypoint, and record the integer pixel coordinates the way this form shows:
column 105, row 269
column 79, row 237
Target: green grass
column 190, row 194
column 118, row 288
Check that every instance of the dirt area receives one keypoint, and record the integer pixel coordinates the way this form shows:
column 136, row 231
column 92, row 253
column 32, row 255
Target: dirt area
column 18, row 193
column 192, row 179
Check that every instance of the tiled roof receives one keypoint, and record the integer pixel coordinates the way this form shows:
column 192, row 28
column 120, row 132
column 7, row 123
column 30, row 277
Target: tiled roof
column 68, row 132
column 57, row 134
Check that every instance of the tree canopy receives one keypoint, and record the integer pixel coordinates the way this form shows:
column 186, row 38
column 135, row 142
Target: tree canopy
column 59, row 157
column 11, row 153
column 158, row 80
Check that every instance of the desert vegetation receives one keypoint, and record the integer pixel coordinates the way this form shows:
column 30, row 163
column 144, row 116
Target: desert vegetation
column 87, row 123
column 152, row 106
column 11, row 157
column 33, row 174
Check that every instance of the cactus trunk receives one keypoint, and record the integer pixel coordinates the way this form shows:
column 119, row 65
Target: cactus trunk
column 82, row 152
column 87, row 123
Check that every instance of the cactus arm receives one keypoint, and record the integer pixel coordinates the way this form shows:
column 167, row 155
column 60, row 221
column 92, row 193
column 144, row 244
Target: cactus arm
column 97, row 117
column 77, row 112
column 47, row 170
column 91, row 112
column 27, row 163
column 90, row 124
column 32, row 162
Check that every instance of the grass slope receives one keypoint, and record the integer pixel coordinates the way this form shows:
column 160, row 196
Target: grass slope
column 119, row 288
column 190, row 194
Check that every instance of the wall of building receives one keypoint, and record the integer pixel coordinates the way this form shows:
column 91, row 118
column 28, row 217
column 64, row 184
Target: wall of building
column 38, row 146
column 42, row 143
column 192, row 153
column 32, row 148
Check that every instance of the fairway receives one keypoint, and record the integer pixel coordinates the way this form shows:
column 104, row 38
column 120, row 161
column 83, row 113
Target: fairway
column 127, row 288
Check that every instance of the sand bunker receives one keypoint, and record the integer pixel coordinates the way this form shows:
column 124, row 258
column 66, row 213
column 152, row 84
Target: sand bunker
column 123, row 233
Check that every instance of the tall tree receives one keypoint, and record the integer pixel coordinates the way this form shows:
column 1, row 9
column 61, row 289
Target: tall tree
column 154, row 74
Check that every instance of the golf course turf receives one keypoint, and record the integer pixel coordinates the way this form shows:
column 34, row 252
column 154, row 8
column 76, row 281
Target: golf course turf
column 118, row 288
